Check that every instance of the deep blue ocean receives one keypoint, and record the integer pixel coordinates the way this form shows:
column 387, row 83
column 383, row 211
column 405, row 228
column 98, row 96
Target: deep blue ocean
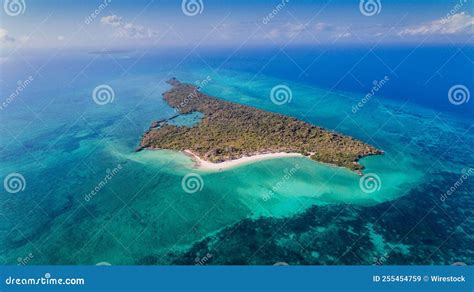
column 419, row 74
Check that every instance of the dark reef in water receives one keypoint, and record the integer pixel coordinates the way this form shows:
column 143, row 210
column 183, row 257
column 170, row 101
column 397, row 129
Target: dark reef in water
column 418, row 229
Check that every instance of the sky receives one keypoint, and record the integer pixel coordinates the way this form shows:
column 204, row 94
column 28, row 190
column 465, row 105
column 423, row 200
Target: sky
column 119, row 24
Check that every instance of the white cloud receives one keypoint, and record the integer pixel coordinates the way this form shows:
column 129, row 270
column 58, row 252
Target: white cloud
column 457, row 23
column 25, row 39
column 127, row 29
column 60, row 38
column 293, row 30
column 321, row 26
column 112, row 20
column 343, row 35
column 5, row 37
column 273, row 34
column 308, row 31
column 288, row 30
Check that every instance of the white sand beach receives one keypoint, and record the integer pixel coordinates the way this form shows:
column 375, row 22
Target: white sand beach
column 206, row 165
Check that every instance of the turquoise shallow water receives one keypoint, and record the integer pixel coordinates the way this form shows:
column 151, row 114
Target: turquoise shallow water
column 65, row 145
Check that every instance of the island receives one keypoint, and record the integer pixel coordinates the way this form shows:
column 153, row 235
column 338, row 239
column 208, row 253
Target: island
column 229, row 131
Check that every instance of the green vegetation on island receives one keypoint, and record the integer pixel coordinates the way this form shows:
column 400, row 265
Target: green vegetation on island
column 229, row 131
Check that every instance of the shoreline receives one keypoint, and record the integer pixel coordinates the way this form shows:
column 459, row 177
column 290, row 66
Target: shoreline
column 202, row 164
